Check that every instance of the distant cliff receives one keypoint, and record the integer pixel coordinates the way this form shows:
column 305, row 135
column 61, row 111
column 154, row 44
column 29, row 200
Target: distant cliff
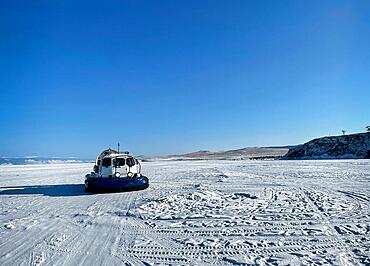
column 354, row 146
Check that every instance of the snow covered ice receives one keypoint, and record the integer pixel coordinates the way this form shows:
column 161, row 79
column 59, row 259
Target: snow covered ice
column 194, row 213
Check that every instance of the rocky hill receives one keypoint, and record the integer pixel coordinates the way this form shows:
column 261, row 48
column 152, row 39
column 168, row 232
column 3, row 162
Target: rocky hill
column 354, row 146
column 239, row 154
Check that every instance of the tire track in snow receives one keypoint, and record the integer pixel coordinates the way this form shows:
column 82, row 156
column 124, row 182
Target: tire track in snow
column 174, row 255
column 18, row 245
column 341, row 245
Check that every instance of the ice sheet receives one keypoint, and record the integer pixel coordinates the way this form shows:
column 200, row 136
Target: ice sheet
column 195, row 213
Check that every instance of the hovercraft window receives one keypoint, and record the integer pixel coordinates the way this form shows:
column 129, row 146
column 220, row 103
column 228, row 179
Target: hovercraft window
column 119, row 162
column 130, row 162
column 107, row 162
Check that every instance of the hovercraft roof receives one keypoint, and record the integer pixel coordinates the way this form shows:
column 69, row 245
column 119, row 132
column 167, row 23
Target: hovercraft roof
column 113, row 153
column 108, row 152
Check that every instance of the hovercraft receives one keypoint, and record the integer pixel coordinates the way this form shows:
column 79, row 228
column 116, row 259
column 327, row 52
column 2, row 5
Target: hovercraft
column 115, row 172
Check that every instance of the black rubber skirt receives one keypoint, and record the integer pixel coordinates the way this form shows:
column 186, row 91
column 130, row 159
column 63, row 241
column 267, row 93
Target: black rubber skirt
column 108, row 185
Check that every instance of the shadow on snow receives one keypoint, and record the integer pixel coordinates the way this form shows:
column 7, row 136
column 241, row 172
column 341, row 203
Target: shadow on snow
column 59, row 190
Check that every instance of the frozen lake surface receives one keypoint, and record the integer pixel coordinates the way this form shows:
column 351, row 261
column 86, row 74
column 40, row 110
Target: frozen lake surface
column 196, row 213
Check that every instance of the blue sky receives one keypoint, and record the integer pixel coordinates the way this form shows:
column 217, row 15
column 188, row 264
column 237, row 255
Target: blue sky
column 167, row 77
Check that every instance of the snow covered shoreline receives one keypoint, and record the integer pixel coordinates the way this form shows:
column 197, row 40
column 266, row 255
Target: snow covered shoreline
column 40, row 160
column 194, row 213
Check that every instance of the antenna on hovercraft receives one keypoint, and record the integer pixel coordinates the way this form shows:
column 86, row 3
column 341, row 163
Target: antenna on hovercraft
column 118, row 147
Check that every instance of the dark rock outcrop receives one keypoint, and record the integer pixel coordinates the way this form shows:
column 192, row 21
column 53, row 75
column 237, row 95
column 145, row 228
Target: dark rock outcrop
column 354, row 146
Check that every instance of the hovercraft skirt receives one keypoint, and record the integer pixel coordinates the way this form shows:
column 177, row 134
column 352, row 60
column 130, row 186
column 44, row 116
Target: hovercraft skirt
column 106, row 185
